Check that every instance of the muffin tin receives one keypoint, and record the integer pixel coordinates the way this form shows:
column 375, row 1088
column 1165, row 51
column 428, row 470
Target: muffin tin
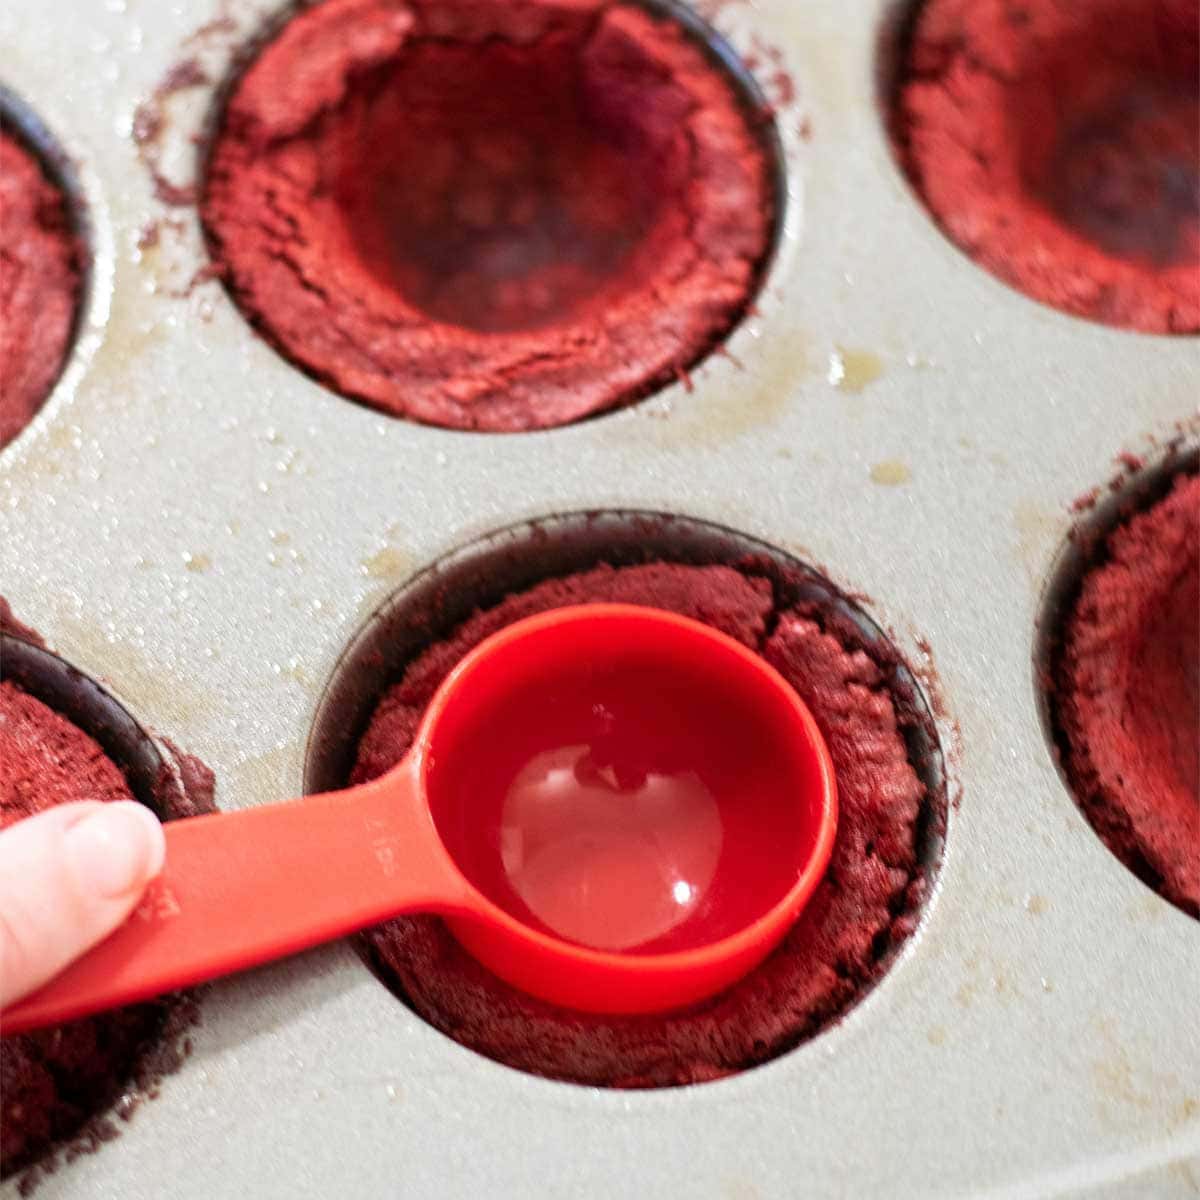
column 196, row 523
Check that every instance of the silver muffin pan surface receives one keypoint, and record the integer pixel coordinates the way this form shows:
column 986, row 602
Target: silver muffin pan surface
column 201, row 526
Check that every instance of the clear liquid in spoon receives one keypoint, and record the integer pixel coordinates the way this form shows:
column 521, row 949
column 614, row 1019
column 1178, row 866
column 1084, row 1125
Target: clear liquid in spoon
column 628, row 807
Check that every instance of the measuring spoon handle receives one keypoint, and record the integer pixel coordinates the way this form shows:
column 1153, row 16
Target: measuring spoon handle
column 243, row 888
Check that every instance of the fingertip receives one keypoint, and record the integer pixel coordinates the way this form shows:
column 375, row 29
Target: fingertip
column 115, row 850
column 156, row 842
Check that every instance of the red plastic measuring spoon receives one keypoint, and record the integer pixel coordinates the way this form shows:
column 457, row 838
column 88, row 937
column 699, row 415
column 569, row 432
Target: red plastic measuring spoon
column 616, row 809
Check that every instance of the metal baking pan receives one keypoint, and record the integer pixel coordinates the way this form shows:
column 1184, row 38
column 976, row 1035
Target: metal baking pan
column 201, row 526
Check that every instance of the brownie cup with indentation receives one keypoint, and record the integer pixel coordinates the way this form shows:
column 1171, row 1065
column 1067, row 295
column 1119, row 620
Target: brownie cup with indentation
column 1126, row 694
column 866, row 905
column 59, row 1085
column 1058, row 143
column 40, row 281
column 499, row 216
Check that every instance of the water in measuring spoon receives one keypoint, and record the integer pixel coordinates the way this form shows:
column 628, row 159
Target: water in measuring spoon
column 624, row 809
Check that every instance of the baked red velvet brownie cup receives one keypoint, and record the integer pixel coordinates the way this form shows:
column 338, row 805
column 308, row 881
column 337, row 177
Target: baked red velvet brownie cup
column 497, row 216
column 40, row 278
column 58, row 1083
column 866, row 904
column 1058, row 143
column 1126, row 695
